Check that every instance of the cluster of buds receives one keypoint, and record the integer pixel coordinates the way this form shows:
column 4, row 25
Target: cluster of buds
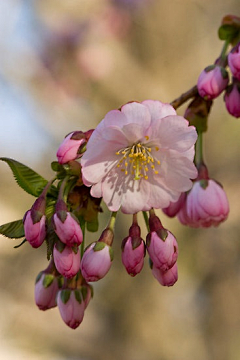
column 140, row 157
column 214, row 79
column 65, row 282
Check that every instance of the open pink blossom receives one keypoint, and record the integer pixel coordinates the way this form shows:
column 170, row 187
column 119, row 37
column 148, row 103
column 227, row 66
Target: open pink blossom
column 140, row 157
column 206, row 205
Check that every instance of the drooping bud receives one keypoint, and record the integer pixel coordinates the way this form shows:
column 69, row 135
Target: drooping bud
column 174, row 207
column 67, row 226
column 206, row 205
column 232, row 99
column 212, row 81
column 34, row 222
column 45, row 292
column 166, row 278
column 96, row 261
column 72, row 146
column 234, row 61
column 66, row 259
column 162, row 246
column 71, row 306
column 133, row 251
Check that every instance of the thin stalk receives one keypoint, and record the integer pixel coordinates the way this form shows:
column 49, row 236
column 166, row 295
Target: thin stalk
column 184, row 97
column 199, row 150
column 145, row 216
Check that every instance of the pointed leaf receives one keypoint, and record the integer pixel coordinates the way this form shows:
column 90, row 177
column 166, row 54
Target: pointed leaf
column 28, row 179
column 13, row 230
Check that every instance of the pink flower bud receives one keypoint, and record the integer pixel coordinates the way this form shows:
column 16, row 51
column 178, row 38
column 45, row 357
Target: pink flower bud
column 232, row 100
column 96, row 261
column 46, row 288
column 69, row 148
column 174, row 207
column 212, row 81
column 166, row 278
column 67, row 261
column 162, row 248
column 234, row 61
column 71, row 307
column 35, row 232
column 133, row 252
column 67, row 228
column 206, row 205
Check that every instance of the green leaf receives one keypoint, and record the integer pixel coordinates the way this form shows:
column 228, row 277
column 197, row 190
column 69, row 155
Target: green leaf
column 27, row 178
column 13, row 230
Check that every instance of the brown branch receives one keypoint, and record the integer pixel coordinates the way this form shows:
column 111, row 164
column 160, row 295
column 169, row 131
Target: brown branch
column 184, row 97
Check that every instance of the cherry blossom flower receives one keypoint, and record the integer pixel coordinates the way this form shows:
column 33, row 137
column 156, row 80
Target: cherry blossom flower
column 140, row 157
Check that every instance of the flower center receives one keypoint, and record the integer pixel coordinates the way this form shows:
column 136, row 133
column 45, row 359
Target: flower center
column 137, row 160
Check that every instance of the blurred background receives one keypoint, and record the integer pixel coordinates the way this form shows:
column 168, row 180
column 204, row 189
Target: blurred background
column 63, row 65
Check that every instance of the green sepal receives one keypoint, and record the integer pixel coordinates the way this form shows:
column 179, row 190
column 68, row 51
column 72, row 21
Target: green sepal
column 17, row 246
column 203, row 183
column 209, row 68
column 65, row 295
column 150, row 263
column 60, row 246
column 229, row 33
column 78, row 295
column 75, row 249
column 111, row 254
column 136, row 242
column 13, row 229
column 56, row 166
column 60, row 280
column 48, row 280
column 162, row 233
column 38, row 277
column 224, row 73
column 99, row 246
column 28, row 179
column 62, row 215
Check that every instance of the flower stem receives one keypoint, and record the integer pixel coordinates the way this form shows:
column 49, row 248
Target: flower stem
column 199, row 150
column 224, row 50
column 83, row 242
column 112, row 220
column 184, row 97
column 145, row 216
